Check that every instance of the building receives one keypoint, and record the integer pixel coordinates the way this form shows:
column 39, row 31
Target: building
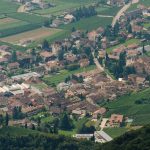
column 83, row 136
column 116, row 120
column 102, row 137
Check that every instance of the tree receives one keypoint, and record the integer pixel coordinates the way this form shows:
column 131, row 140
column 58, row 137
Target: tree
column 33, row 127
column 14, row 56
column 143, row 49
column 1, row 120
column 6, row 119
column 116, row 28
column 17, row 113
column 129, row 28
column 45, row 45
column 47, row 23
column 61, row 55
column 73, row 29
column 65, row 122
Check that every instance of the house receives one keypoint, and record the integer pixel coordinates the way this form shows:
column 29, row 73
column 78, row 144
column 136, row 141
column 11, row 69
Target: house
column 100, row 111
column 102, row 54
column 52, row 65
column 133, row 14
column 116, row 120
column 76, row 35
column 69, row 18
column 56, row 23
column 70, row 57
column 102, row 137
column 116, row 2
column 136, row 28
column 92, row 35
column 56, row 47
column 47, row 56
column 84, row 62
column 13, row 66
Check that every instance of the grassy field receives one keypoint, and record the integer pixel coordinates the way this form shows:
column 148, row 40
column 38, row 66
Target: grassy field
column 7, row 23
column 63, row 6
column 89, row 24
column 115, row 132
column 34, row 35
column 127, row 106
column 128, row 42
column 17, row 131
column 60, row 77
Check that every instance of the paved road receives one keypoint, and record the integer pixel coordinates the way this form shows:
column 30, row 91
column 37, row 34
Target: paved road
column 122, row 10
column 120, row 13
column 101, row 68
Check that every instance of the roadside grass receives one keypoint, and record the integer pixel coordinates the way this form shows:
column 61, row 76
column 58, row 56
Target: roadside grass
column 108, row 11
column 63, row 6
column 17, row 131
column 115, row 132
column 128, row 42
column 60, row 77
column 89, row 24
column 40, row 86
column 127, row 106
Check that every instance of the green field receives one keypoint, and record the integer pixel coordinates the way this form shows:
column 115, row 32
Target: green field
column 128, row 42
column 108, row 11
column 7, row 23
column 89, row 24
column 63, row 6
column 60, row 77
column 17, row 131
column 115, row 132
column 7, row 7
column 126, row 105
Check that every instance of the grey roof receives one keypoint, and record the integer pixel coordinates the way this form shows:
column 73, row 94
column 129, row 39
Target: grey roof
column 104, row 135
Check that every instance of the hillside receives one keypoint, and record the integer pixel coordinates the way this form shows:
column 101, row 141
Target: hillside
column 13, row 140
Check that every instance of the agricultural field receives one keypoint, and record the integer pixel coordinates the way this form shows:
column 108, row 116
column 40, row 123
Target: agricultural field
column 7, row 7
column 7, row 23
column 63, row 6
column 89, row 24
column 135, row 106
column 107, row 11
column 34, row 35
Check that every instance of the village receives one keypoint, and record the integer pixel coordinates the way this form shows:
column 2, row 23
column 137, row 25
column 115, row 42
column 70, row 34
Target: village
column 77, row 76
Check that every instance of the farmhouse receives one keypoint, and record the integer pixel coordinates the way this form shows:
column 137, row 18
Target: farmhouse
column 115, row 120
column 69, row 18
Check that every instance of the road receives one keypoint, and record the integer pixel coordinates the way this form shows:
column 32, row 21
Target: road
column 120, row 13
column 122, row 10
column 101, row 68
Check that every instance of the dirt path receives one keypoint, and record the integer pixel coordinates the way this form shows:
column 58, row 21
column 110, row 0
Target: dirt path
column 21, row 9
